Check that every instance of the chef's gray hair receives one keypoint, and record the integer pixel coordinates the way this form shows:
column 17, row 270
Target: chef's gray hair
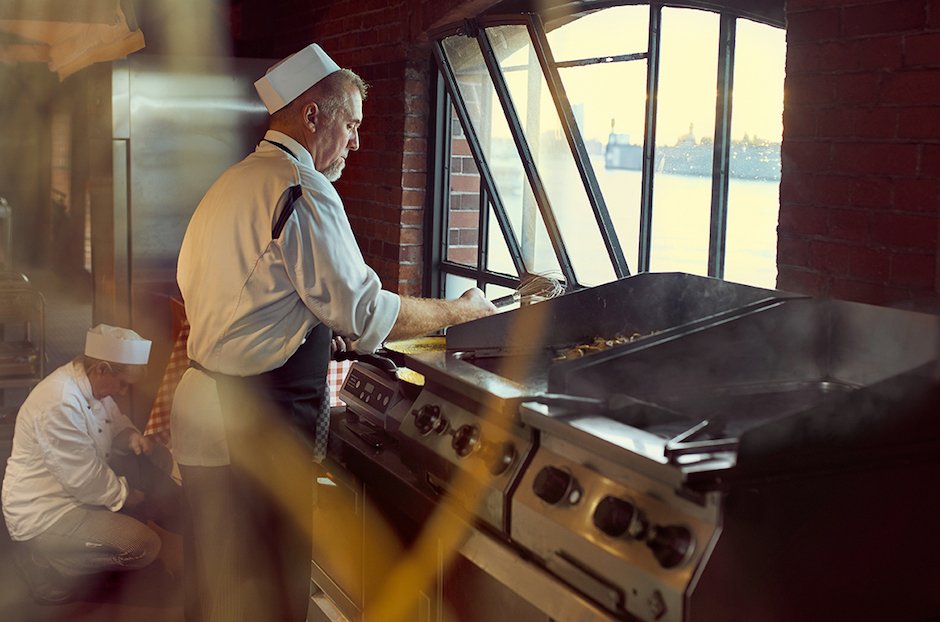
column 330, row 92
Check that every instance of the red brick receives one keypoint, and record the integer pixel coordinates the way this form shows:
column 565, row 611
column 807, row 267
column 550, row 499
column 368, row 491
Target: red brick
column 894, row 16
column 879, row 53
column 413, row 198
column 462, row 255
column 801, row 281
column 796, row 189
column 850, row 225
column 802, row 58
column 835, row 123
column 837, row 56
column 414, row 162
column 463, row 219
column 802, row 220
column 412, row 217
column 905, row 230
column 871, row 192
column 414, row 180
column 874, row 158
column 813, row 25
column 917, row 195
column 460, row 146
column 872, row 265
column 857, row 88
column 912, row 87
column 464, row 183
column 923, row 49
column 831, row 257
column 807, row 156
column 930, row 160
column 922, row 122
column 799, row 122
column 411, row 235
column 880, row 122
column 808, row 89
column 793, row 251
column 913, row 270
column 415, row 145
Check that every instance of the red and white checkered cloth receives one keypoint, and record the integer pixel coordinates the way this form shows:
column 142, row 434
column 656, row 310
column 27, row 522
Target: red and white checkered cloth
column 158, row 423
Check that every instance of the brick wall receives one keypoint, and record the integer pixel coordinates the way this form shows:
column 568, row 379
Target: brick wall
column 861, row 151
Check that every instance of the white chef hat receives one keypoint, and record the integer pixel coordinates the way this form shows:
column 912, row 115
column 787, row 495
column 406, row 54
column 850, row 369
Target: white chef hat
column 286, row 80
column 117, row 345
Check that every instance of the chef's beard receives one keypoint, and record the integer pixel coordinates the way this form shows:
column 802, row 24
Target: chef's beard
column 335, row 169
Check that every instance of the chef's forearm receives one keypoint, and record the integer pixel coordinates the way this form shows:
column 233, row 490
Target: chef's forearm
column 420, row 316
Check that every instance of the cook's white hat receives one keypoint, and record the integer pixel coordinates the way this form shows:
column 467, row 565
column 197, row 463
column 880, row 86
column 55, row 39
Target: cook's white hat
column 118, row 345
column 286, row 80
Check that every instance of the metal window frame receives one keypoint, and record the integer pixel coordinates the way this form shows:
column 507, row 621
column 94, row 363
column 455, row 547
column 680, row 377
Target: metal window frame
column 536, row 29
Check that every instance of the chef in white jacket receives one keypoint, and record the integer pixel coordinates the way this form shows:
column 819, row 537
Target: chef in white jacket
column 66, row 509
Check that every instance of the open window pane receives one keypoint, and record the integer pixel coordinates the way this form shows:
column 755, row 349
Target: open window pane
column 463, row 213
column 685, row 132
column 756, row 134
column 609, row 32
column 499, row 150
column 551, row 153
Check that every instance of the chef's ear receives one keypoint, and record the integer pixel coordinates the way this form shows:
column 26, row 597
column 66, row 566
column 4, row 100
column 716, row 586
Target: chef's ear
column 310, row 115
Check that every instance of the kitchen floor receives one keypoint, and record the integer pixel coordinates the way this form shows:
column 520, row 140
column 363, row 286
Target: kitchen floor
column 149, row 595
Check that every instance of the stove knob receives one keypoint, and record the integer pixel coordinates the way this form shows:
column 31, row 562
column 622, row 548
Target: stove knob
column 553, row 485
column 613, row 516
column 428, row 418
column 498, row 456
column 670, row 544
column 466, row 439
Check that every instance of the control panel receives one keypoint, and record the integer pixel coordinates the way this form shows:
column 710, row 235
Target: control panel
column 374, row 395
column 631, row 545
column 443, row 438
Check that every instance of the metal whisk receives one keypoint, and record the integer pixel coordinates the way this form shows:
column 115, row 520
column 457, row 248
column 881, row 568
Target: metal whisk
column 534, row 287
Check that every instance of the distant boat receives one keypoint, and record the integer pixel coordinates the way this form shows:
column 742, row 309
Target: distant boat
column 620, row 154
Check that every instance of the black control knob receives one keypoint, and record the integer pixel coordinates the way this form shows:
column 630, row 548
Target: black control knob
column 554, row 485
column 466, row 439
column 498, row 456
column 429, row 419
column 613, row 516
column 670, row 544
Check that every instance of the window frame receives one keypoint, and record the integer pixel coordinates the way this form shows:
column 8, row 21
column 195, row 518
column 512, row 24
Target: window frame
column 448, row 94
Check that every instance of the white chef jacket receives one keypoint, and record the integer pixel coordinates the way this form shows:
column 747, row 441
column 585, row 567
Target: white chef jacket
column 251, row 300
column 61, row 446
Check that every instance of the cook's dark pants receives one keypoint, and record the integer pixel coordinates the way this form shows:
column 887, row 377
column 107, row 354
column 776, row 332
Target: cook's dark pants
column 251, row 520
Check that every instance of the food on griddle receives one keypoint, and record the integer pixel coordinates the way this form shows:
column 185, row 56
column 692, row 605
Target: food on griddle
column 598, row 345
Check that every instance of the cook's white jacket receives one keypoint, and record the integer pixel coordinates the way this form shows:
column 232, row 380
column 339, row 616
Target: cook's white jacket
column 250, row 299
column 61, row 447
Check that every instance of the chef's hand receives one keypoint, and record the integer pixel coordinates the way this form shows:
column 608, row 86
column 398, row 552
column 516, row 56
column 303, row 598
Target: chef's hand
column 133, row 441
column 475, row 305
column 340, row 344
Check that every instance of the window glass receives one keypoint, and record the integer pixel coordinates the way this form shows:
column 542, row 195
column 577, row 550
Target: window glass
column 609, row 103
column 611, row 32
column 455, row 285
column 499, row 151
column 756, row 134
column 552, row 155
column 685, row 130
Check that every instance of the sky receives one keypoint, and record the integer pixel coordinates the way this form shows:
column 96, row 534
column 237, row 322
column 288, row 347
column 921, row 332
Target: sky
column 687, row 90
